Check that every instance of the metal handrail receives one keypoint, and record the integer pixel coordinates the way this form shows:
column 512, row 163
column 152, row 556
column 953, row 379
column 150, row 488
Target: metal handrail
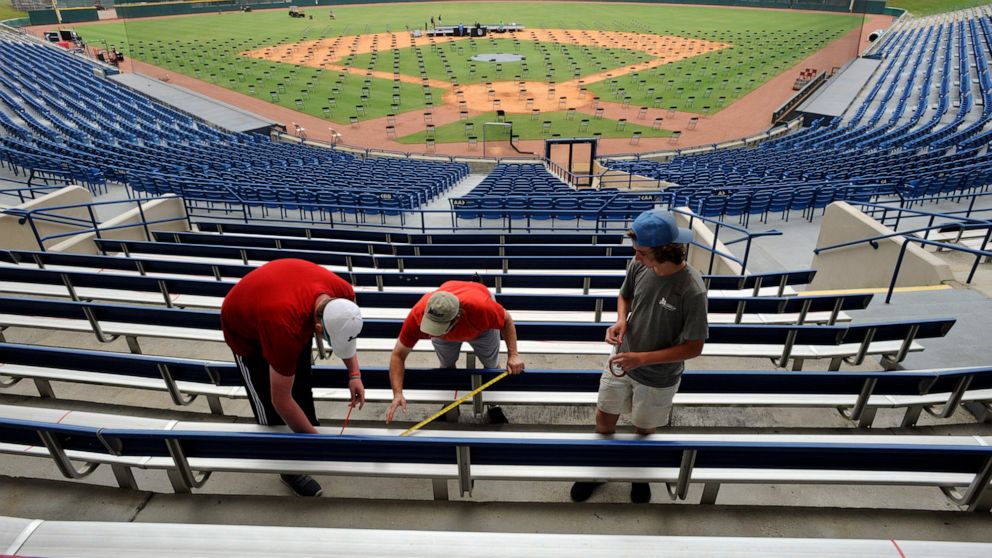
column 873, row 241
column 41, row 214
column 748, row 238
column 979, row 254
column 934, row 214
column 19, row 192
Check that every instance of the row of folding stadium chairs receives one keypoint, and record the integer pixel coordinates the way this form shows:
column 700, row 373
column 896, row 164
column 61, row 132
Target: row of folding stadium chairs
column 120, row 134
column 517, row 179
column 902, row 134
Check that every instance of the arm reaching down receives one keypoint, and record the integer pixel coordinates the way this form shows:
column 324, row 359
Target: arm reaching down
column 284, row 404
column 397, row 369
column 514, row 364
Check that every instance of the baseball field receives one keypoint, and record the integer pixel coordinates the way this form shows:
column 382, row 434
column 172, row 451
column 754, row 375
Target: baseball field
column 375, row 65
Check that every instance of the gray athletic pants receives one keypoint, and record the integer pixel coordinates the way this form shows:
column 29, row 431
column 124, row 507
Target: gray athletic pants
column 485, row 347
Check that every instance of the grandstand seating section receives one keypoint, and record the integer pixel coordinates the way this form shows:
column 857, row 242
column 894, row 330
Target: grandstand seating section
column 893, row 144
column 520, row 191
column 922, row 129
column 97, row 130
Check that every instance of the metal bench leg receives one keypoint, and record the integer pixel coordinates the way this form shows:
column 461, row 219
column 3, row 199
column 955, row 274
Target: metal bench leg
column 132, row 344
column 440, row 489
column 710, row 491
column 953, row 401
column 178, row 486
column 980, row 409
column 464, row 459
column 797, row 364
column 44, row 388
column 182, row 477
column 867, row 417
column 216, row 408
column 835, row 364
column 124, row 476
column 679, row 489
column 12, row 381
column 977, row 494
column 982, row 503
column 62, row 461
column 912, row 416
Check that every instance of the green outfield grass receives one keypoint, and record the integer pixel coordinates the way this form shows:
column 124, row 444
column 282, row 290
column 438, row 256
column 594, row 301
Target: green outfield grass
column 762, row 44
column 7, row 11
column 928, row 7
column 533, row 128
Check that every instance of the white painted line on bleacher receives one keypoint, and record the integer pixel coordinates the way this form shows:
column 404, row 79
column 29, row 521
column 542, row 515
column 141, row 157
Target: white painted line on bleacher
column 15, row 546
column 878, row 290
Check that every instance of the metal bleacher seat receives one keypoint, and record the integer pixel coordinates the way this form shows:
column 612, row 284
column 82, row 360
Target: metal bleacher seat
column 527, row 306
column 859, row 395
column 35, row 537
column 78, row 443
column 783, row 344
column 776, row 283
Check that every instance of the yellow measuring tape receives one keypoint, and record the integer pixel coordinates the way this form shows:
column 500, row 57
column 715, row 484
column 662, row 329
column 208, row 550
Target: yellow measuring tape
column 453, row 404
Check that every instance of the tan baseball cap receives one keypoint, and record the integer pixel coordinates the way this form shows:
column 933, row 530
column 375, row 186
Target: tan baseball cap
column 442, row 310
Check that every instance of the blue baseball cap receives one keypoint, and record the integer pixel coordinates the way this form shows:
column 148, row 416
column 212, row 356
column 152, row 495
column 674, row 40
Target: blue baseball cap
column 657, row 227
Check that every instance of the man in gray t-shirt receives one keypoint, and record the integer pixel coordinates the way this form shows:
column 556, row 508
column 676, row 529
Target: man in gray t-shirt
column 661, row 323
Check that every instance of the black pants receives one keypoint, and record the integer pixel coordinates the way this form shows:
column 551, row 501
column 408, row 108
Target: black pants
column 255, row 375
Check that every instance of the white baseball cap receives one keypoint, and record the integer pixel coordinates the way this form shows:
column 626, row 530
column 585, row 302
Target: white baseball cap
column 342, row 322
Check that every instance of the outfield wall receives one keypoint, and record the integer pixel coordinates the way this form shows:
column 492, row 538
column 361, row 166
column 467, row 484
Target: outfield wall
column 154, row 9
column 69, row 15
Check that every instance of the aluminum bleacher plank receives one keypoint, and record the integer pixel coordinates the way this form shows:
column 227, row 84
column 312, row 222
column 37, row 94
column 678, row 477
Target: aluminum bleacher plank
column 88, row 539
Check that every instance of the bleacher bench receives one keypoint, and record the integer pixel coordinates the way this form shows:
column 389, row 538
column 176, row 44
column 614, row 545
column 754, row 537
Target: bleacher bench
column 892, row 341
column 857, row 395
column 36, row 537
column 204, row 293
column 774, row 284
column 960, row 466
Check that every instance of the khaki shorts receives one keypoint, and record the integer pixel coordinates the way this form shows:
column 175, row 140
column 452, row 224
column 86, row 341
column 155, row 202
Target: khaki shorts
column 648, row 407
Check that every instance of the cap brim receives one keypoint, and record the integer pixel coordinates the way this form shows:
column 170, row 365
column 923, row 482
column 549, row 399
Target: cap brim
column 684, row 236
column 344, row 348
column 434, row 328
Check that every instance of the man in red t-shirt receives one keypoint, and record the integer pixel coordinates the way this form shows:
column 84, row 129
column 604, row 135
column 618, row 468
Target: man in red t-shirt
column 269, row 319
column 456, row 312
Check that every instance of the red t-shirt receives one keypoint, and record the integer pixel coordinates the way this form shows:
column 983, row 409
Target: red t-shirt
column 479, row 313
column 270, row 311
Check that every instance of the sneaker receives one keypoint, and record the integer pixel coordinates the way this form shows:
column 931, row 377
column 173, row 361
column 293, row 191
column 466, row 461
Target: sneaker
column 496, row 416
column 640, row 492
column 581, row 491
column 302, row 485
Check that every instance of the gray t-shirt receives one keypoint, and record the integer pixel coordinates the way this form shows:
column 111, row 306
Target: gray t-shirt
column 664, row 312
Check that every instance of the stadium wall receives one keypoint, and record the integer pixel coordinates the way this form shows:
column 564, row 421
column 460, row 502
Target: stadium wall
column 155, row 9
column 168, row 208
column 19, row 236
column 69, row 15
column 860, row 265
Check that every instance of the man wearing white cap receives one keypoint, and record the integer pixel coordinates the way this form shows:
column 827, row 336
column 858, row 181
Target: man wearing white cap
column 457, row 312
column 661, row 323
column 269, row 319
